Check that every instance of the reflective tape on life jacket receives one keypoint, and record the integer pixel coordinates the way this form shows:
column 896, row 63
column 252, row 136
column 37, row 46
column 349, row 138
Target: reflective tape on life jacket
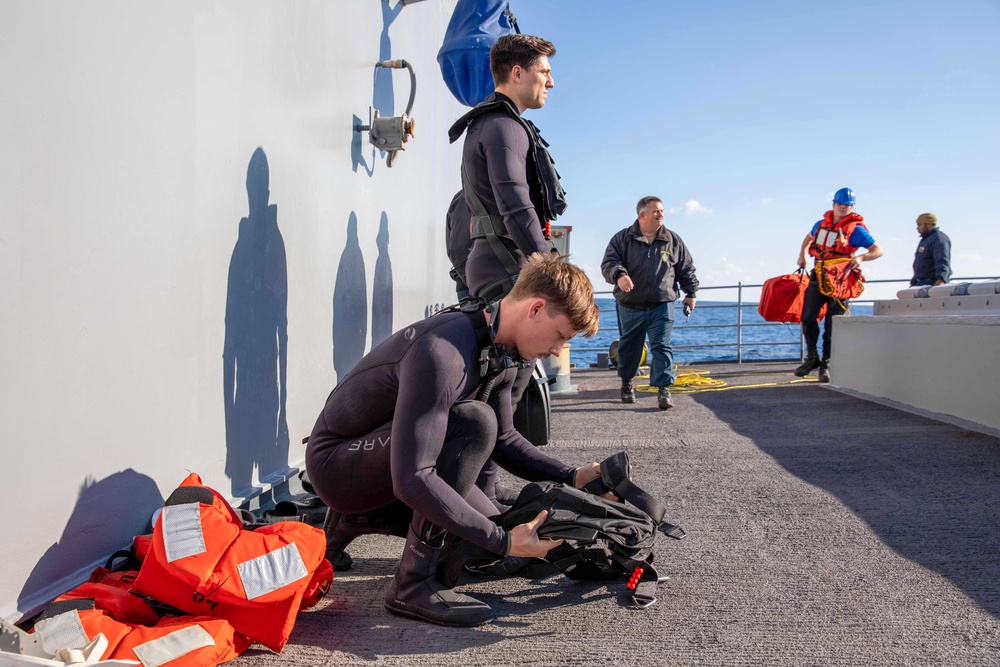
column 833, row 240
column 182, row 531
column 202, row 561
column 173, row 646
column 180, row 641
column 73, row 624
column 271, row 571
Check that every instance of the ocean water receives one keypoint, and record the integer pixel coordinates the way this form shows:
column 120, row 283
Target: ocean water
column 758, row 341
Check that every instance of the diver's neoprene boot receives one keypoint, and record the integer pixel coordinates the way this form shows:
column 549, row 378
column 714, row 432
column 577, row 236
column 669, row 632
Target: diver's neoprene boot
column 824, row 370
column 807, row 367
column 341, row 529
column 415, row 591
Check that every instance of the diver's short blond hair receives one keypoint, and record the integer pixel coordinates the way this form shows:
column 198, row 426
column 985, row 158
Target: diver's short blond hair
column 565, row 288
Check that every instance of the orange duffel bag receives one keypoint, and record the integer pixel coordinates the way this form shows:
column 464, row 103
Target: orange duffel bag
column 781, row 297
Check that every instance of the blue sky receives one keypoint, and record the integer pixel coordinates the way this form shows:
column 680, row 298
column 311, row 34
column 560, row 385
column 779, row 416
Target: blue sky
column 746, row 117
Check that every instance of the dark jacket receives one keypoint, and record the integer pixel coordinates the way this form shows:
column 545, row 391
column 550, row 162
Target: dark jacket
column 656, row 269
column 932, row 261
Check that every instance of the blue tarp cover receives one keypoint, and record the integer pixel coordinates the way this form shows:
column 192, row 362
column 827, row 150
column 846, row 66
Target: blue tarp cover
column 464, row 57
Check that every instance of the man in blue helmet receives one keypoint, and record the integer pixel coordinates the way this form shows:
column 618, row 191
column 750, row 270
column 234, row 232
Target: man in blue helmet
column 835, row 238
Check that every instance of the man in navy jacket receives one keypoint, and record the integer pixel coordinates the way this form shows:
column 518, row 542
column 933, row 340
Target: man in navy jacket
column 932, row 261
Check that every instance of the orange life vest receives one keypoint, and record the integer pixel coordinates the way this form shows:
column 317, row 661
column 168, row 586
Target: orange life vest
column 178, row 641
column 203, row 561
column 833, row 241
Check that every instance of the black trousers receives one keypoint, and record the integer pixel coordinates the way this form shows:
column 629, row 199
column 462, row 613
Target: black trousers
column 811, row 305
column 354, row 476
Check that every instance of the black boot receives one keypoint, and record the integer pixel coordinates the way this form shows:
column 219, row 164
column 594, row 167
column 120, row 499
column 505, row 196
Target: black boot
column 341, row 529
column 416, row 593
column 663, row 400
column 628, row 392
column 807, row 367
column 824, row 370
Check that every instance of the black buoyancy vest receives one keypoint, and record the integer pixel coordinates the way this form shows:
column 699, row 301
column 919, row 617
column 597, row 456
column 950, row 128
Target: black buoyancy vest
column 493, row 358
column 553, row 194
column 604, row 539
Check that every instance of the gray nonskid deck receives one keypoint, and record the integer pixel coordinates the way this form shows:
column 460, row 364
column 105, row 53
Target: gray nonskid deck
column 822, row 530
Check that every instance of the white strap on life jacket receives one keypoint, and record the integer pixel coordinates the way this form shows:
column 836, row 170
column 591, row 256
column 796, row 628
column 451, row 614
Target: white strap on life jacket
column 62, row 631
column 182, row 532
column 267, row 573
column 176, row 645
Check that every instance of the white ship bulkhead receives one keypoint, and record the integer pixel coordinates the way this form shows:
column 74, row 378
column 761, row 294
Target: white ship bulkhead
column 139, row 312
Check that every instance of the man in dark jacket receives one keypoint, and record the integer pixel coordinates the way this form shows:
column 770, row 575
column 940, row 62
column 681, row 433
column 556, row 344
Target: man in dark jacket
column 932, row 261
column 646, row 262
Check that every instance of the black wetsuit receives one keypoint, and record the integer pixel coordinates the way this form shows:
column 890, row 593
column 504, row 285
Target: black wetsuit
column 404, row 424
column 499, row 159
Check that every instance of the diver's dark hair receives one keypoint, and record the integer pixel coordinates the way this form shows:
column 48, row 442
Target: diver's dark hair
column 523, row 50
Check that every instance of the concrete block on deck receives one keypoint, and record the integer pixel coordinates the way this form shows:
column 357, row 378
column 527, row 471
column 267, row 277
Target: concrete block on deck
column 945, row 366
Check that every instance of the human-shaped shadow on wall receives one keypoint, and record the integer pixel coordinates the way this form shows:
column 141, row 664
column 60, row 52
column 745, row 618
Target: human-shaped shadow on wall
column 255, row 356
column 107, row 515
column 382, row 290
column 350, row 304
column 383, row 97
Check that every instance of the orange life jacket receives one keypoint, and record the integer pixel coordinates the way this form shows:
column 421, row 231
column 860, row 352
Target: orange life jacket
column 833, row 241
column 178, row 641
column 203, row 561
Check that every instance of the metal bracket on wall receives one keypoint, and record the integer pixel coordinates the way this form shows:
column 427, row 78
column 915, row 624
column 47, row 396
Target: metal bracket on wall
column 390, row 133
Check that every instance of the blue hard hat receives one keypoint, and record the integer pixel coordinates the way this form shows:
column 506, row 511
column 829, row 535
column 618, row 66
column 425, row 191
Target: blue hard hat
column 844, row 196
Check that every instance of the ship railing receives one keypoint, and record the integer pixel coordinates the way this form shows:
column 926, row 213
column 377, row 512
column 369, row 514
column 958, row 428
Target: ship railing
column 740, row 325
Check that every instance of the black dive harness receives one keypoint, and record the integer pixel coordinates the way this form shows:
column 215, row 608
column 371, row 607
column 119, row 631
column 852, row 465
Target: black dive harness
column 616, row 477
column 603, row 539
column 494, row 358
column 483, row 224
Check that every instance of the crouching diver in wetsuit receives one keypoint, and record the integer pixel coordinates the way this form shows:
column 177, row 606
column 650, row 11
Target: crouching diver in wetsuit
column 404, row 431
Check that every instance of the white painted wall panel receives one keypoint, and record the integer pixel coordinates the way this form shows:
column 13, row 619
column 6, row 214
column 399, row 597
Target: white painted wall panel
column 126, row 130
column 946, row 365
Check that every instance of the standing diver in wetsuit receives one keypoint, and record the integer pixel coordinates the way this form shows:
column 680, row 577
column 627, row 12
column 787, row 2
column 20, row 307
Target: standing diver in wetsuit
column 404, row 425
column 510, row 186
column 508, row 177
